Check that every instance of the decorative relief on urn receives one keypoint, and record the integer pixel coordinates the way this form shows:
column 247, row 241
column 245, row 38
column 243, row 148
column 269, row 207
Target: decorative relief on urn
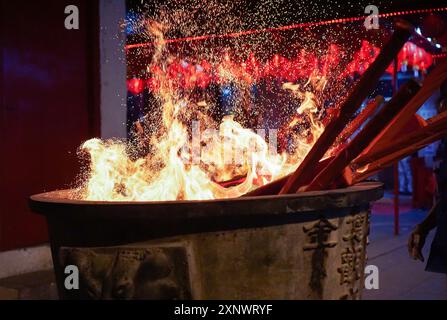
column 129, row 273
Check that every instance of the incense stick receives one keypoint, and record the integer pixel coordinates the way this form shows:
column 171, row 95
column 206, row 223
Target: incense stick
column 364, row 137
column 361, row 90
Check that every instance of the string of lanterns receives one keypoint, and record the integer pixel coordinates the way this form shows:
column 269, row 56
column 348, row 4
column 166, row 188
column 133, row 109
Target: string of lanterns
column 187, row 76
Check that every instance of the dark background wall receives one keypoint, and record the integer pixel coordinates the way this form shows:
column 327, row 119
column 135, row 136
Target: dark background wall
column 49, row 82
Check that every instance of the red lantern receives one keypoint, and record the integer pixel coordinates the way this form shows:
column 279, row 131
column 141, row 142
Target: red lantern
column 267, row 70
column 312, row 65
column 273, row 66
column 411, row 53
column 299, row 65
column 284, row 69
column 252, row 67
column 426, row 61
column 190, row 76
column 390, row 68
column 402, row 58
column 331, row 59
column 203, row 80
column 135, row 86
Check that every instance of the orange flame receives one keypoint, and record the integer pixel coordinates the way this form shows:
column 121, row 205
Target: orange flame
column 180, row 168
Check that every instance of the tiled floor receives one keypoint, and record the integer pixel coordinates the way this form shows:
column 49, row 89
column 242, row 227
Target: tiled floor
column 399, row 276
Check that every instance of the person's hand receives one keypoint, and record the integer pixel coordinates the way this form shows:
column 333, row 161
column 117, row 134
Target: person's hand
column 416, row 242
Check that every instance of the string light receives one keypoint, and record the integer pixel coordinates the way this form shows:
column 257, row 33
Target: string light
column 284, row 28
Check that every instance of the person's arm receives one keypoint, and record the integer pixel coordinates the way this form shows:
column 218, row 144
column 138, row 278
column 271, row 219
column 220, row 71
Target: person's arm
column 417, row 238
column 429, row 222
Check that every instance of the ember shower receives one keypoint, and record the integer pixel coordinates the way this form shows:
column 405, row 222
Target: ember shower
column 181, row 148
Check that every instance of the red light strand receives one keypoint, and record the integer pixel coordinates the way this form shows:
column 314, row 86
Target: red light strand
column 283, row 28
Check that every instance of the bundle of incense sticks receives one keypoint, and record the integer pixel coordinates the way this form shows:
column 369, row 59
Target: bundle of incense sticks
column 370, row 108
column 382, row 137
column 373, row 162
column 363, row 138
column 348, row 107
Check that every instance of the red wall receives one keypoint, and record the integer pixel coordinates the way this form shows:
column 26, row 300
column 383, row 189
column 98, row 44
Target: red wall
column 49, row 105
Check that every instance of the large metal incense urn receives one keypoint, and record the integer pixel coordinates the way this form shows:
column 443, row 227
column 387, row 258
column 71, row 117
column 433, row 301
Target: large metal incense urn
column 303, row 246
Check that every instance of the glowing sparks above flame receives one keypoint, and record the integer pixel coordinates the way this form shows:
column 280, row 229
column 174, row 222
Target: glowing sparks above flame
column 189, row 163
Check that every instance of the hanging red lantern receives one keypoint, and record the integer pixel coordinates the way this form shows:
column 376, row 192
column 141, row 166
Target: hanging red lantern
column 330, row 60
column 417, row 57
column 294, row 70
column 273, row 66
column 402, row 58
column 390, row 68
column 312, row 65
column 190, row 76
column 284, row 69
column 288, row 73
column 135, row 85
column 299, row 65
column 267, row 70
column 411, row 53
column 203, row 80
column 174, row 73
column 252, row 67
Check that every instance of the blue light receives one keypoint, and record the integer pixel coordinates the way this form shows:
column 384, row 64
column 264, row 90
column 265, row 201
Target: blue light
column 254, row 90
column 438, row 46
column 418, row 30
column 132, row 23
column 226, row 91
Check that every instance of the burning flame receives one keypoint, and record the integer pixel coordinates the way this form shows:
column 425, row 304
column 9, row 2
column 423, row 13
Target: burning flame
column 188, row 163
